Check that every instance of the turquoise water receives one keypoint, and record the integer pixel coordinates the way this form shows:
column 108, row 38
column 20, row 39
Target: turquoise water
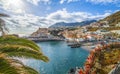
column 62, row 58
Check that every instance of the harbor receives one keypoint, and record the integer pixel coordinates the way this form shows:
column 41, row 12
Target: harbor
column 62, row 58
column 39, row 39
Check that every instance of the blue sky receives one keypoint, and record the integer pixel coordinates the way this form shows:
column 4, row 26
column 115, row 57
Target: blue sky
column 28, row 15
column 77, row 6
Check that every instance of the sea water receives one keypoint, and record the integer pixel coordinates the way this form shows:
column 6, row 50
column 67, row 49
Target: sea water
column 62, row 58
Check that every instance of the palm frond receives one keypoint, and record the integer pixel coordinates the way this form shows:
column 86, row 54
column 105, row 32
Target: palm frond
column 10, row 47
column 6, row 67
column 19, row 41
column 22, row 51
column 30, row 70
column 13, row 66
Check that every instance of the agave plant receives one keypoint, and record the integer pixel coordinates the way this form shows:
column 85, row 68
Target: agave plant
column 11, row 47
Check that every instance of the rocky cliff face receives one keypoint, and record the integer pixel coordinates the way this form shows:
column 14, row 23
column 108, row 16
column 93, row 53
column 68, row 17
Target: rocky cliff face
column 40, row 31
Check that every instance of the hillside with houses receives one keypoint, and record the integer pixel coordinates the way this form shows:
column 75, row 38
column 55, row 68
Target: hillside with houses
column 43, row 34
column 113, row 19
column 100, row 30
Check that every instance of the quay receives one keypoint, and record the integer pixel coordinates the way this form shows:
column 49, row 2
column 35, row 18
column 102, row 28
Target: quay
column 38, row 39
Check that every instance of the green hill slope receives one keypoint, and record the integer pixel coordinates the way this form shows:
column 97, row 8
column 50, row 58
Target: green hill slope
column 113, row 19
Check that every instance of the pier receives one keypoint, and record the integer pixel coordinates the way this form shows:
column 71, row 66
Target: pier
column 37, row 39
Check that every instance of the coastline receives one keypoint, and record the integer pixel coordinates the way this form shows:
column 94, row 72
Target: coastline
column 37, row 39
column 88, row 48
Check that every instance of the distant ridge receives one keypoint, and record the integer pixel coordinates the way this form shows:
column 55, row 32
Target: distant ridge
column 63, row 24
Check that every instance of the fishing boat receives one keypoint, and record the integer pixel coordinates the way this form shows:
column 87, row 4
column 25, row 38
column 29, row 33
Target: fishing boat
column 74, row 44
column 77, row 45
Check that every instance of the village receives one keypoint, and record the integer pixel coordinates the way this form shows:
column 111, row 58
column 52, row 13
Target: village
column 78, row 34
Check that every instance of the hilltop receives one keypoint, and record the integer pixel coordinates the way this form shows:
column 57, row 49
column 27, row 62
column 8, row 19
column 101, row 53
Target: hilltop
column 113, row 19
column 75, row 24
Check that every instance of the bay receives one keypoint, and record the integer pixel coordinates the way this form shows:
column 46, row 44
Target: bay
column 62, row 58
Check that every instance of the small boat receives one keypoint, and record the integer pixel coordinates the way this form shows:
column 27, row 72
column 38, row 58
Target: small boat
column 76, row 45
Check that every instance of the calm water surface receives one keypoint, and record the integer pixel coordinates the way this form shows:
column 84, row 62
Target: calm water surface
column 62, row 58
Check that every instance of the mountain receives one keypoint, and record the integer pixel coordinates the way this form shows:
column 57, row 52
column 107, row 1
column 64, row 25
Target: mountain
column 63, row 24
column 113, row 19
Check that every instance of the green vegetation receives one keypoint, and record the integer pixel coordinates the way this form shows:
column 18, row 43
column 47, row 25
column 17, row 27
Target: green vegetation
column 106, row 60
column 12, row 47
column 93, row 29
column 113, row 19
column 108, row 28
column 112, row 35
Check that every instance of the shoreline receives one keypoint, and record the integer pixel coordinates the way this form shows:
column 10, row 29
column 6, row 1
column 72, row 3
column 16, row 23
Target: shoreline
column 88, row 48
column 85, row 47
column 45, row 40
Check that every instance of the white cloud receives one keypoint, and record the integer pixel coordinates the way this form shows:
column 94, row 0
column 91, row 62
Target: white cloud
column 100, row 16
column 62, row 1
column 28, row 23
column 92, row 1
column 68, row 1
column 36, row 2
column 15, row 6
column 103, row 1
column 65, row 16
column 19, row 6
column 72, row 1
